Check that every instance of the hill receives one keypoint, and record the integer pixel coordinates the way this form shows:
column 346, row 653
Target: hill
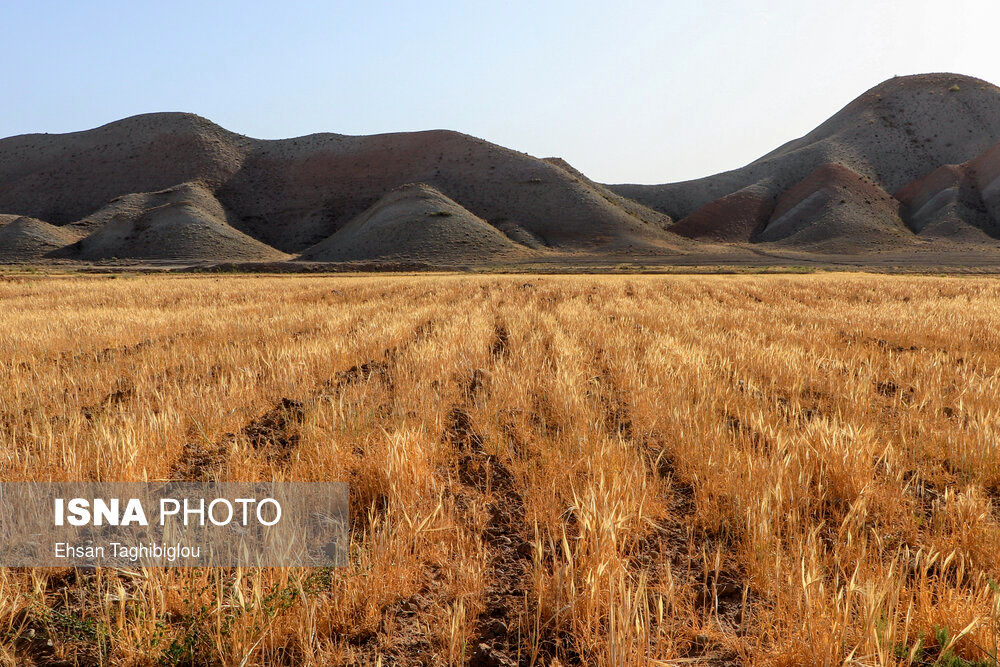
column 185, row 223
column 62, row 178
column 910, row 167
column 930, row 140
column 960, row 202
column 896, row 132
column 415, row 222
column 293, row 193
column 24, row 239
column 836, row 210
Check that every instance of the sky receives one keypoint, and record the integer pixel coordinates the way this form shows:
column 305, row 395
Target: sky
column 640, row 91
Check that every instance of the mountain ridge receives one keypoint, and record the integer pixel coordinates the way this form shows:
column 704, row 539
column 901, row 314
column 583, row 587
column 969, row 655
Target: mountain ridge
column 909, row 166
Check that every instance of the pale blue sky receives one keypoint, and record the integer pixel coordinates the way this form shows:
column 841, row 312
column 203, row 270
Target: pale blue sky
column 639, row 90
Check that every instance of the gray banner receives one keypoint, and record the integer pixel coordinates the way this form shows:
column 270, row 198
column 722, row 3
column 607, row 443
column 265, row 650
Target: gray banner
column 173, row 524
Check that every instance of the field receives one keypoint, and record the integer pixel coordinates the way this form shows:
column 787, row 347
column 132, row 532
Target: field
column 620, row 470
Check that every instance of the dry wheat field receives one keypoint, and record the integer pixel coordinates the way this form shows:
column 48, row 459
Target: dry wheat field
column 617, row 470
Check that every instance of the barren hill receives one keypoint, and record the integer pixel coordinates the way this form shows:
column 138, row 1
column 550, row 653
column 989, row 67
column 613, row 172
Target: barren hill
column 829, row 190
column 894, row 133
column 959, row 202
column 415, row 222
column 26, row 239
column 738, row 216
column 835, row 209
column 61, row 178
column 296, row 192
column 911, row 166
column 293, row 193
column 184, row 223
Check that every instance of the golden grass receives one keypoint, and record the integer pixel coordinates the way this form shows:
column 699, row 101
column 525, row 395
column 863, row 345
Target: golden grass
column 600, row 470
